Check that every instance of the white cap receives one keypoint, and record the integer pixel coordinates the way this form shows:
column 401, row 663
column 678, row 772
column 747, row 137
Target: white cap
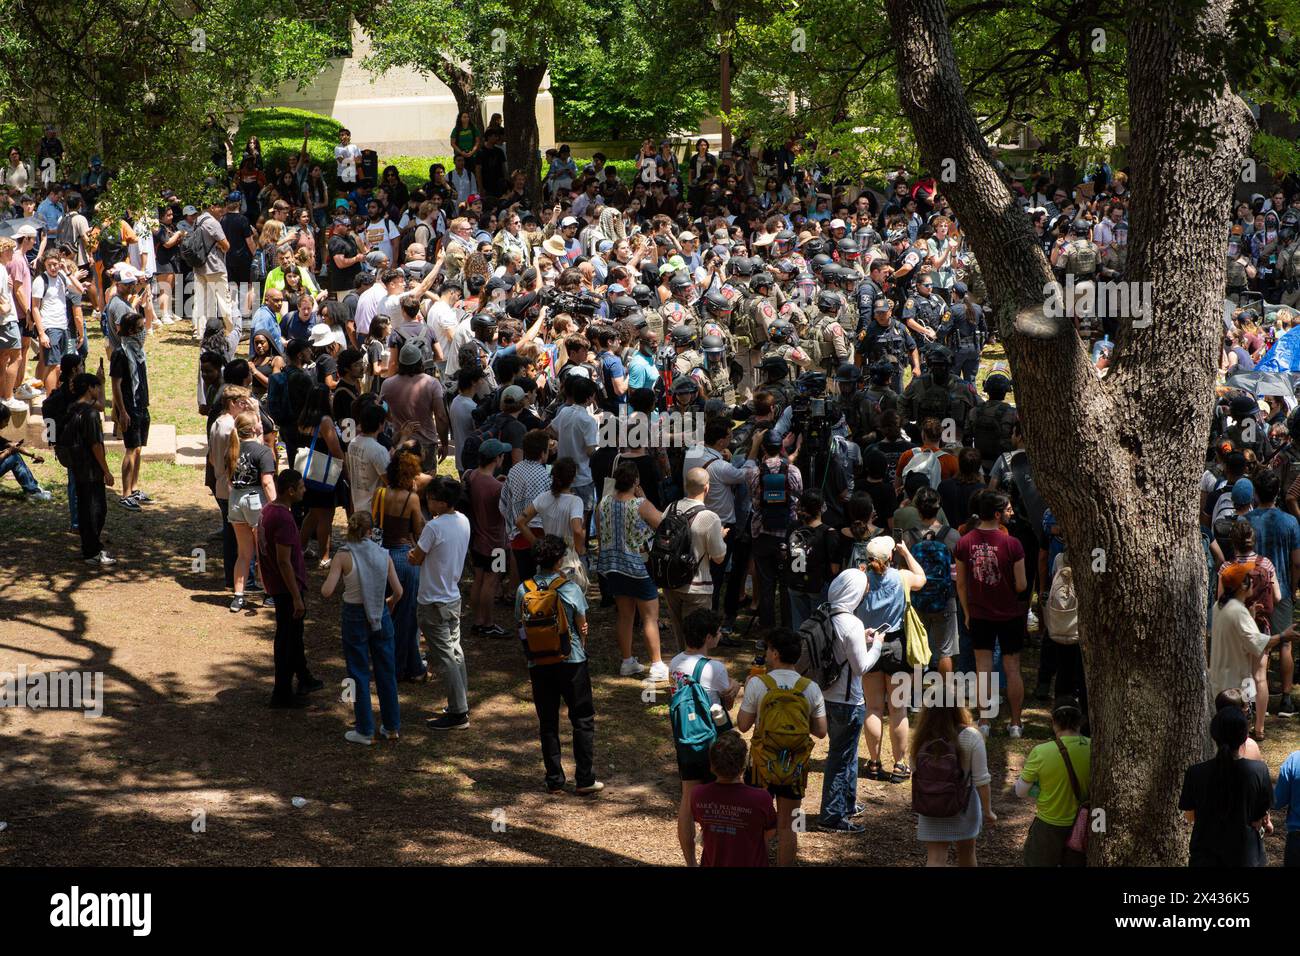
column 880, row 548
column 125, row 272
column 568, row 221
column 686, row 236
column 837, row 224
column 25, row 231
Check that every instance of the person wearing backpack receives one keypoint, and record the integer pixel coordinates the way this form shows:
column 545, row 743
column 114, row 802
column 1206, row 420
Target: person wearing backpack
column 773, row 493
column 688, row 519
column 929, row 459
column 811, row 562
column 951, row 773
column 702, row 695
column 845, row 652
column 1059, row 792
column 551, row 612
column 932, row 544
column 785, row 711
column 992, row 422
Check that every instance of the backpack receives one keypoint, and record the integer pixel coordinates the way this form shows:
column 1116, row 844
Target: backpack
column 192, row 249
column 691, row 712
column 935, row 559
column 782, row 744
column 817, row 658
column 939, row 786
column 991, row 429
column 1061, row 610
column 428, row 362
column 927, row 463
column 799, row 547
column 672, row 556
column 489, row 429
column 111, row 249
column 544, row 629
column 1082, row 259
column 774, row 496
column 1028, row 501
column 260, row 267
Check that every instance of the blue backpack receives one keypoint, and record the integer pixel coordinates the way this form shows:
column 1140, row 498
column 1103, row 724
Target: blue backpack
column 690, row 708
column 936, row 561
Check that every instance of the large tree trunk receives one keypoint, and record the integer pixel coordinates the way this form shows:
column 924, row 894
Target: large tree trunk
column 1117, row 459
column 457, row 77
column 519, row 114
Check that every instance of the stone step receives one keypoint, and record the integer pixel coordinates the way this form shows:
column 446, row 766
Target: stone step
column 161, row 446
column 192, row 450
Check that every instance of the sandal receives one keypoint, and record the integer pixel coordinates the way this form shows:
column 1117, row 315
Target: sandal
column 875, row 770
column 900, row 773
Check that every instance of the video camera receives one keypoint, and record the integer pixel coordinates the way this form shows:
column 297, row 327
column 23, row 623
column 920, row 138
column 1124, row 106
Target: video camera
column 581, row 303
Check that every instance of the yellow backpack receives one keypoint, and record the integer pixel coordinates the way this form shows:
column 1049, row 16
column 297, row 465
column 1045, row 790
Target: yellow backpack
column 782, row 742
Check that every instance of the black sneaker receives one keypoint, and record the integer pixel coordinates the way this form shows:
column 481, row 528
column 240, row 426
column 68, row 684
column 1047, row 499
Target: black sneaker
column 290, row 703
column 1286, row 706
column 448, row 722
column 495, row 630
column 844, row 826
column 237, row 604
column 1043, row 692
column 310, row 686
column 130, row 504
column 253, row 587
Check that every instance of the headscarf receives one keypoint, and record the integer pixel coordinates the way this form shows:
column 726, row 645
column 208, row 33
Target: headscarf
column 1234, row 575
column 846, row 592
column 611, row 225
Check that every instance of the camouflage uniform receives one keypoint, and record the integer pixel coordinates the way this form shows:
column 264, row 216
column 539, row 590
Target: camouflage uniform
column 925, row 399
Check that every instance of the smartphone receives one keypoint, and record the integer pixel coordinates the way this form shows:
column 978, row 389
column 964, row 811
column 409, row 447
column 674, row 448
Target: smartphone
column 898, row 536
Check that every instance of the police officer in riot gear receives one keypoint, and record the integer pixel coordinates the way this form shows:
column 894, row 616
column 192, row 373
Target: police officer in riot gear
column 936, row 394
column 886, row 336
column 964, row 332
column 716, row 370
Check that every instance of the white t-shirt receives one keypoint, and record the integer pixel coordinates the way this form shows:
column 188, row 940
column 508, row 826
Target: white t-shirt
column 576, row 430
column 346, row 157
column 141, row 252
column 443, row 320
column 557, row 514
column 53, row 294
column 714, row 678
column 756, row 690
column 368, row 304
column 445, row 542
column 367, row 461
column 380, row 235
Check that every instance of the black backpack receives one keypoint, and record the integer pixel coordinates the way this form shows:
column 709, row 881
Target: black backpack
column 475, row 439
column 799, row 551
column 774, row 496
column 672, row 556
column 992, row 429
column 817, row 655
column 193, row 249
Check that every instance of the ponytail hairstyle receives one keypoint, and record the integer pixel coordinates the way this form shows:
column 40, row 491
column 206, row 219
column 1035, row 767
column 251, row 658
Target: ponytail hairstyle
column 860, row 509
column 359, row 525
column 1228, row 730
column 248, row 425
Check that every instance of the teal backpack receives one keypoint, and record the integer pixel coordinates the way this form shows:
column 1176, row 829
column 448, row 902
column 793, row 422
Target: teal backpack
column 690, row 708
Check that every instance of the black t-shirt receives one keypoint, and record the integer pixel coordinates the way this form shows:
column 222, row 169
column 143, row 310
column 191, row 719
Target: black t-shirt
column 512, row 433
column 846, row 544
column 892, row 450
column 235, row 226
column 1222, row 834
column 83, row 432
column 325, row 367
column 955, row 498
column 255, row 460
column 135, row 401
column 344, row 397
column 883, row 499
column 491, row 170
column 342, row 279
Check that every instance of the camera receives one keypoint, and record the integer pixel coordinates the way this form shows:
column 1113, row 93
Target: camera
column 581, row 303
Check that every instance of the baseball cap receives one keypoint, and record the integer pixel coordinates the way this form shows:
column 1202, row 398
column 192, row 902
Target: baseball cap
column 26, row 231
column 491, row 448
column 837, row 224
column 125, row 272
column 1243, row 492
column 959, row 288
column 512, row 396
column 604, row 245
column 686, row 237
column 189, row 211
column 568, row 221
column 235, row 196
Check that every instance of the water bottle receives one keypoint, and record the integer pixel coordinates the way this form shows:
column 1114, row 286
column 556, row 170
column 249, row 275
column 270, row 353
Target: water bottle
column 719, row 715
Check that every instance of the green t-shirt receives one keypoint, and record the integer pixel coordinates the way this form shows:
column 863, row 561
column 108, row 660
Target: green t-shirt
column 1045, row 766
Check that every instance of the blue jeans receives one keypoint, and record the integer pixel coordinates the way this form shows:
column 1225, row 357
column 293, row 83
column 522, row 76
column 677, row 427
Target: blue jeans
column 840, row 779
column 362, row 648
column 15, row 463
column 803, row 603
column 409, row 662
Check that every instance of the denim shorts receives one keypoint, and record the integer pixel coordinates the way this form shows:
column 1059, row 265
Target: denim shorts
column 245, row 506
column 11, row 337
column 61, row 344
column 624, row 585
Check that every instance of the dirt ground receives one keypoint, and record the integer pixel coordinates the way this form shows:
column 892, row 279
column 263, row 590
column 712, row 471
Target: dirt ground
column 188, row 766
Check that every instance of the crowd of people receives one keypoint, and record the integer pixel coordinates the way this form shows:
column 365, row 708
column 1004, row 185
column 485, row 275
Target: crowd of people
column 462, row 373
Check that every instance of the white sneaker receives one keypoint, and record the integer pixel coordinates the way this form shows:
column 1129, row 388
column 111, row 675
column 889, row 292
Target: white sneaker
column 15, row 404
column 1015, row 731
column 984, row 731
column 631, row 668
column 1031, row 623
column 659, row 672
column 102, row 560
column 24, row 392
column 353, row 737
column 40, row 494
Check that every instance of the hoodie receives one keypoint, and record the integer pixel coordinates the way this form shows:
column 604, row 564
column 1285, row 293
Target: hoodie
column 846, row 593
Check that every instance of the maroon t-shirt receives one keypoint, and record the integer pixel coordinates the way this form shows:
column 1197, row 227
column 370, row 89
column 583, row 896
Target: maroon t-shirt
column 278, row 527
column 734, row 817
column 990, row 558
column 489, row 525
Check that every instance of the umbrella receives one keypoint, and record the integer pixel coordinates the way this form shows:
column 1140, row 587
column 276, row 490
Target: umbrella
column 9, row 226
column 1265, row 384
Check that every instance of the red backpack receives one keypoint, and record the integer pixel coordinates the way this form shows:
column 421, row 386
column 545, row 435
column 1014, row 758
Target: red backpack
column 939, row 786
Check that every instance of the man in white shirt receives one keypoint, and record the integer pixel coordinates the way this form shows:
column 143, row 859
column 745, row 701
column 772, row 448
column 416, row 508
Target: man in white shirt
column 440, row 553
column 709, row 546
column 443, row 319
column 462, row 182
column 380, row 232
column 577, row 435
column 346, row 156
column 391, row 282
